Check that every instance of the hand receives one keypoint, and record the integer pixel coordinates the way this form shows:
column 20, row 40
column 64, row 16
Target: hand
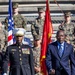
column 4, row 73
column 37, row 69
column 52, row 72
column 68, row 41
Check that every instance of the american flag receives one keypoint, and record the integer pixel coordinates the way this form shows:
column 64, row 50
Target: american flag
column 10, row 24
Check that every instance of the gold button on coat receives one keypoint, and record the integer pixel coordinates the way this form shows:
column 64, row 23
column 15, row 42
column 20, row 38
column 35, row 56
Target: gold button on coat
column 20, row 59
column 19, row 50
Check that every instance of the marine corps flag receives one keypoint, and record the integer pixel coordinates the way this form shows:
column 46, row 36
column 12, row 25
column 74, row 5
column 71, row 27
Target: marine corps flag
column 46, row 39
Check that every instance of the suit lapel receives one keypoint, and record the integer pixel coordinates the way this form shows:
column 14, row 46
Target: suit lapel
column 56, row 50
column 65, row 49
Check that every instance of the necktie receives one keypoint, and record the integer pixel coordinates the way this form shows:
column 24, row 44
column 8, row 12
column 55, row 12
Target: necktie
column 60, row 50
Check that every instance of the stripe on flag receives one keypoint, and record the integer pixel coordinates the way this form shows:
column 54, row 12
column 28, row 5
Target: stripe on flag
column 10, row 24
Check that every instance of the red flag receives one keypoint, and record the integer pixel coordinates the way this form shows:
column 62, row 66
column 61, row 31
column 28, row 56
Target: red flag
column 46, row 39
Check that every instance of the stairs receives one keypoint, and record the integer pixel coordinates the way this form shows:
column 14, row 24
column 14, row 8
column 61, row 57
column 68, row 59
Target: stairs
column 28, row 8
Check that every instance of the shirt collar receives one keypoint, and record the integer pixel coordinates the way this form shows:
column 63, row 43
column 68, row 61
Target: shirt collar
column 60, row 43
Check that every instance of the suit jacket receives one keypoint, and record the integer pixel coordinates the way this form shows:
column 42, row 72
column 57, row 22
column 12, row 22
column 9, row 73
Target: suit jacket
column 20, row 58
column 53, row 61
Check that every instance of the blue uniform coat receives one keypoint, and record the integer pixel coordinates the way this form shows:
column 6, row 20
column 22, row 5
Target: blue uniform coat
column 20, row 58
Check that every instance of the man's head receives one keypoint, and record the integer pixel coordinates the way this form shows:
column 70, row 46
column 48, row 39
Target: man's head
column 19, row 36
column 61, row 36
column 67, row 16
column 15, row 7
column 41, row 12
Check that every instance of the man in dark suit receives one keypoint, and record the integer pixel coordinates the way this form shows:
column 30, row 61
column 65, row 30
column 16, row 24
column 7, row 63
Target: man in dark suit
column 20, row 57
column 60, row 58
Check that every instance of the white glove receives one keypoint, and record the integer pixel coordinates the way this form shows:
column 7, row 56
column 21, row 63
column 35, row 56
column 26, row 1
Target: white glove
column 4, row 73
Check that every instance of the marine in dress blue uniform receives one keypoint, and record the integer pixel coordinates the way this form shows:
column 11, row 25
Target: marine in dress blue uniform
column 20, row 57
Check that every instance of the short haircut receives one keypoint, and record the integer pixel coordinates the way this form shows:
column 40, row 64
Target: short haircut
column 60, row 31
